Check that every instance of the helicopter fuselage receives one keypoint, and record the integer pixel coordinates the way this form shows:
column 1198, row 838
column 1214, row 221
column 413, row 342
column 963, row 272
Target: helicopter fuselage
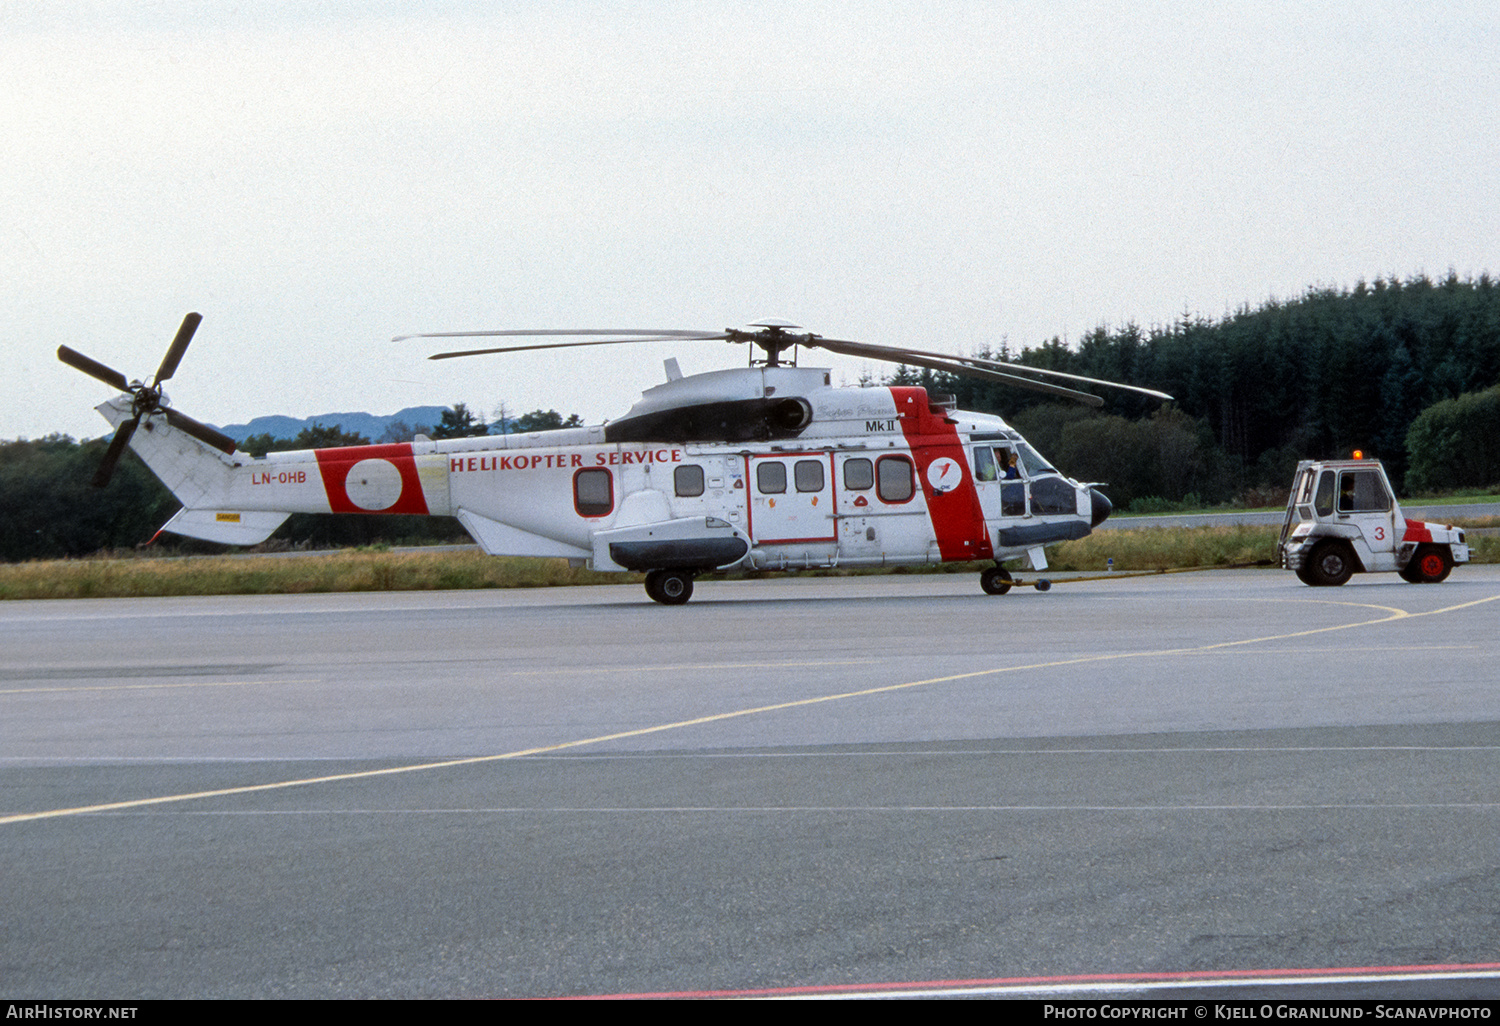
column 767, row 468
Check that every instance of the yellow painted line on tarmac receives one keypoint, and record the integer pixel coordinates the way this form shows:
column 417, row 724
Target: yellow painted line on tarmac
column 697, row 721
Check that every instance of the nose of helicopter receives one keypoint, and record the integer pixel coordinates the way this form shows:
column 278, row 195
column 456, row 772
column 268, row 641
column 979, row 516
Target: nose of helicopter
column 1101, row 507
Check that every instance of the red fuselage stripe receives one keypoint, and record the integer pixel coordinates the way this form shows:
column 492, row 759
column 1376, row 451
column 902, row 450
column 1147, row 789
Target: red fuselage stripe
column 957, row 519
column 335, row 464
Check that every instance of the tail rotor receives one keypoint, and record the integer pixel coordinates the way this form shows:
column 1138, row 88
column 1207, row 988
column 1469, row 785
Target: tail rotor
column 146, row 399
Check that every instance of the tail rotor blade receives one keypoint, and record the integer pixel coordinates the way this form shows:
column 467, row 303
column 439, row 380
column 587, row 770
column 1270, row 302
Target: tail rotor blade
column 179, row 346
column 199, row 430
column 93, row 368
column 113, row 453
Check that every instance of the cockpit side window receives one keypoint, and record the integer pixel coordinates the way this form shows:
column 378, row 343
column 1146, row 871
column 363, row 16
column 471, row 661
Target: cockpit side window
column 984, row 463
column 1005, row 457
column 1053, row 495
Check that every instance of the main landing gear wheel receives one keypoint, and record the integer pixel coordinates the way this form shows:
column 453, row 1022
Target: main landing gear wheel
column 1330, row 564
column 1430, row 565
column 669, row 587
column 995, row 580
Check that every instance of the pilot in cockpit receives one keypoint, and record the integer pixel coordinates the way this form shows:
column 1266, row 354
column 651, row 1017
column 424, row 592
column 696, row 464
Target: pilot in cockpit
column 1007, row 461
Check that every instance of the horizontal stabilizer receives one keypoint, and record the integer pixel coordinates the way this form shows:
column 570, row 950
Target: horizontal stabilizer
column 228, row 527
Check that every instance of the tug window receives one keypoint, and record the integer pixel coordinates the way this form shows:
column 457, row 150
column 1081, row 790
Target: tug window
column 859, row 475
column 688, row 480
column 1323, row 501
column 593, row 493
column 895, row 479
column 770, row 478
column 808, row 475
column 1361, row 491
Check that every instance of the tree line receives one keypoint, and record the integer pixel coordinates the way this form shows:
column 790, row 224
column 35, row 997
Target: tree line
column 1257, row 390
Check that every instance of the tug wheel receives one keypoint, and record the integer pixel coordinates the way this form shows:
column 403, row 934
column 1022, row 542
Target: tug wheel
column 995, row 580
column 1330, row 564
column 1432, row 563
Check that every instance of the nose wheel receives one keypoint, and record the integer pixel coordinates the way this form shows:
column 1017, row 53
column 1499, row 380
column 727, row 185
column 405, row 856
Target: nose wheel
column 996, row 580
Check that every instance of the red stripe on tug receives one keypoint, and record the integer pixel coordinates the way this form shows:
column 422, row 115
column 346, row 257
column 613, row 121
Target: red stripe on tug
column 1417, row 531
column 944, row 477
column 372, row 479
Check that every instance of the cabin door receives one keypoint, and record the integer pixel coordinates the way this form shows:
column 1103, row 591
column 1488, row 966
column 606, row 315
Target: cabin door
column 791, row 498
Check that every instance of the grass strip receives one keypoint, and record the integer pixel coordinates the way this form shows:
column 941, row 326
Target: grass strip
column 1137, row 550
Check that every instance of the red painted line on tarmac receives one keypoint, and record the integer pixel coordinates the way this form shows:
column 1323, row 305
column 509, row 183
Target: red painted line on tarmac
column 1226, row 976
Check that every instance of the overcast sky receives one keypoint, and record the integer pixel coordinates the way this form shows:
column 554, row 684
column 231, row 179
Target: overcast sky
column 316, row 178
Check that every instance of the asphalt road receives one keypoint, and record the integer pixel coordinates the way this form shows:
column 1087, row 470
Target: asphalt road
column 783, row 784
column 1440, row 514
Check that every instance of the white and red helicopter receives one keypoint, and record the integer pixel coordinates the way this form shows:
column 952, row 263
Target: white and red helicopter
column 765, row 467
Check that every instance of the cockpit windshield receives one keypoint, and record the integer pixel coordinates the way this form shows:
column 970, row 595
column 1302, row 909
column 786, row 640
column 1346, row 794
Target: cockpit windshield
column 1032, row 461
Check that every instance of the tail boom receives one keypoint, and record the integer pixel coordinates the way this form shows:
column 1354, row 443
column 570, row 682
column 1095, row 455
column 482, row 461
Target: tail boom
column 238, row 499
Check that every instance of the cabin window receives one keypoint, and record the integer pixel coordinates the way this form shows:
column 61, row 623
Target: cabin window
column 770, row 477
column 859, row 475
column 593, row 493
column 808, row 475
column 895, row 479
column 687, row 480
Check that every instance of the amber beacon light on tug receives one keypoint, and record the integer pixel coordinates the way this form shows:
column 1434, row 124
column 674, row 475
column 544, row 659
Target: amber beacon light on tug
column 764, row 467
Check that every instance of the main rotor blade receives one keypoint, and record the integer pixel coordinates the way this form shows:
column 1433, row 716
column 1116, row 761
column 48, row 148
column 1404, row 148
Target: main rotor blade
column 112, row 454
column 199, row 430
column 951, row 365
column 179, row 346
column 530, row 333
column 566, row 345
column 1046, row 372
column 93, row 368
column 899, row 354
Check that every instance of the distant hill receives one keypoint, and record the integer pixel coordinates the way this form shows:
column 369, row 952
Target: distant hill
column 367, row 424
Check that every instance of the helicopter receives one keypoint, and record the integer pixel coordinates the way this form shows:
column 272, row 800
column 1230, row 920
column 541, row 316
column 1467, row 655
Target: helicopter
column 766, row 467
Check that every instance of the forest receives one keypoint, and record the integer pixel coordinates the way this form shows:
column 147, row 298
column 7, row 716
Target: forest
column 1406, row 370
column 1257, row 390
